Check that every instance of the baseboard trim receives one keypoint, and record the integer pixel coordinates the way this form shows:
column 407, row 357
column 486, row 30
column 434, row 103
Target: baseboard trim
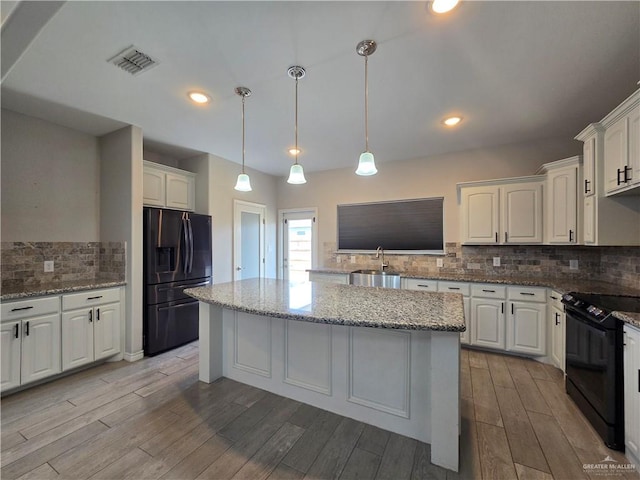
column 134, row 357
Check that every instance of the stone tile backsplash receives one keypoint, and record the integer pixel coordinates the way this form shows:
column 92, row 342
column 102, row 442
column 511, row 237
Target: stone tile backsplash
column 22, row 263
column 612, row 264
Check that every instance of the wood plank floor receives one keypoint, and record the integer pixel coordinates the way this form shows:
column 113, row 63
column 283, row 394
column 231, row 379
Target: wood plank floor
column 152, row 419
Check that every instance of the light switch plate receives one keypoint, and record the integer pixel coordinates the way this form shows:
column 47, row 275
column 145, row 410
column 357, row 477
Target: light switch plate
column 353, row 259
column 48, row 265
column 439, row 263
column 496, row 261
column 573, row 264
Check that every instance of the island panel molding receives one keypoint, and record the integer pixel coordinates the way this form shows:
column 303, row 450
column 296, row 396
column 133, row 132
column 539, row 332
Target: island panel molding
column 308, row 352
column 252, row 344
column 386, row 357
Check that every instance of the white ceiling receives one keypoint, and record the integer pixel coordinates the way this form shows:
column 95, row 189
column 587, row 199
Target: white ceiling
column 516, row 71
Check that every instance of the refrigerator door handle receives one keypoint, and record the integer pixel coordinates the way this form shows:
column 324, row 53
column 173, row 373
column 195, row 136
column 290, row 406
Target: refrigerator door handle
column 190, row 244
column 185, row 267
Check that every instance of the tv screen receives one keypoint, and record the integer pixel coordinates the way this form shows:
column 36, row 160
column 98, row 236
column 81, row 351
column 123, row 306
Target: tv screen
column 406, row 225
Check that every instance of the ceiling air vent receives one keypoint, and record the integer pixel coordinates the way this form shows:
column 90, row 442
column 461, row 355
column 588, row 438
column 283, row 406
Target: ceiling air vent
column 133, row 61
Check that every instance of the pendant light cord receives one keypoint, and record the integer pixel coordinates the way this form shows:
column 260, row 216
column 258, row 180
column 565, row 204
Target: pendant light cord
column 243, row 134
column 296, row 127
column 366, row 102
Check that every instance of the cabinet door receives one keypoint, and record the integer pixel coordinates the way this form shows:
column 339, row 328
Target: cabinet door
column 10, row 355
column 632, row 391
column 526, row 332
column 465, row 337
column 40, row 347
column 106, row 329
column 563, row 210
column 589, row 221
column 522, row 213
column 487, row 323
column 180, row 192
column 153, row 187
column 633, row 160
column 557, row 322
column 77, row 338
column 589, row 166
column 480, row 214
column 615, row 155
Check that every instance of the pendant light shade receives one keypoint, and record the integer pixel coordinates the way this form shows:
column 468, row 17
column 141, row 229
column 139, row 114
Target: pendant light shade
column 243, row 184
column 296, row 174
column 366, row 164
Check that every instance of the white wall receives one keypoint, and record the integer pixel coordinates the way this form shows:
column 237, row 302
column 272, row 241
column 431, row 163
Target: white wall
column 222, row 176
column 50, row 182
column 121, row 220
column 434, row 176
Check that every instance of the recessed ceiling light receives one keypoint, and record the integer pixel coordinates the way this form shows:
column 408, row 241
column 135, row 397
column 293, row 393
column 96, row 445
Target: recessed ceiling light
column 294, row 151
column 452, row 121
column 199, row 97
column 443, row 6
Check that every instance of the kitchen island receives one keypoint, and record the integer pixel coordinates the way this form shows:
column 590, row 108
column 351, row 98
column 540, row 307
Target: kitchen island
column 386, row 357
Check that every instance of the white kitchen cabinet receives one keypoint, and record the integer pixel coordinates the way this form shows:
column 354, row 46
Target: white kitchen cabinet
column 632, row 394
column 622, row 148
column 607, row 220
column 487, row 323
column 526, row 323
column 168, row 187
column 464, row 290
column 419, row 284
column 90, row 327
column 30, row 341
column 507, row 211
column 339, row 278
column 557, row 320
column 562, row 199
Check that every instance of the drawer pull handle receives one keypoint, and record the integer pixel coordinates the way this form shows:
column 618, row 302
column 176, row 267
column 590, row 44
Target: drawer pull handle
column 587, row 189
column 527, row 293
column 21, row 308
column 94, row 298
column 17, row 334
column 554, row 298
column 423, row 285
column 489, row 291
column 453, row 288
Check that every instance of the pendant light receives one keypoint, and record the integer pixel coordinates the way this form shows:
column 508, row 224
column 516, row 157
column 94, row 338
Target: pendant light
column 296, row 174
column 366, row 165
column 243, row 184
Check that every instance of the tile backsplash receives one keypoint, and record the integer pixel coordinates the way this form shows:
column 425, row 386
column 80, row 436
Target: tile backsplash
column 612, row 264
column 22, row 263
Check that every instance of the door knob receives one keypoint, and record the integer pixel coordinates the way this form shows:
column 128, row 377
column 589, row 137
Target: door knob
column 238, row 268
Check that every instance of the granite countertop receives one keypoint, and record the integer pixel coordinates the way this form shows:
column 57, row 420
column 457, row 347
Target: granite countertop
column 56, row 288
column 628, row 317
column 339, row 304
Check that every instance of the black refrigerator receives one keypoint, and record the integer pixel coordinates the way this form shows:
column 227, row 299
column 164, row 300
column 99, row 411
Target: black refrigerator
column 177, row 255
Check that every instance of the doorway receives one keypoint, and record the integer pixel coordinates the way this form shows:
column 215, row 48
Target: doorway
column 299, row 244
column 248, row 240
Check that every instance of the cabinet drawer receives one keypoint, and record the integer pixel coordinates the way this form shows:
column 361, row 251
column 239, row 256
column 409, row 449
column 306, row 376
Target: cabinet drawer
column 90, row 298
column 32, row 307
column 527, row 294
column 555, row 299
column 454, row 287
column 488, row 290
column 420, row 284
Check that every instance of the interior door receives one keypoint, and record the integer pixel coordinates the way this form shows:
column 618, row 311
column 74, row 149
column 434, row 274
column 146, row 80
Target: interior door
column 298, row 244
column 249, row 238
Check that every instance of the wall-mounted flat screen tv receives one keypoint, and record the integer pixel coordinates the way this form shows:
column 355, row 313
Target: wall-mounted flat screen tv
column 405, row 226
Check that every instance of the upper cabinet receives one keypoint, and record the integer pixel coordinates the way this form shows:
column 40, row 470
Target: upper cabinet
column 168, row 187
column 622, row 147
column 501, row 212
column 561, row 201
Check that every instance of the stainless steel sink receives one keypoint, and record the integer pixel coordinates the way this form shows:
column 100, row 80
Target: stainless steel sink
column 375, row 278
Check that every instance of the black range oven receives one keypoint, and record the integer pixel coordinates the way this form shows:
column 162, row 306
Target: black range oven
column 594, row 349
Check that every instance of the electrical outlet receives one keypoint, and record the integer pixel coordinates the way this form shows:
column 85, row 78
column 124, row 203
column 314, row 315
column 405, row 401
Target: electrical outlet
column 496, row 261
column 353, row 259
column 338, row 259
column 440, row 263
column 573, row 264
column 48, row 265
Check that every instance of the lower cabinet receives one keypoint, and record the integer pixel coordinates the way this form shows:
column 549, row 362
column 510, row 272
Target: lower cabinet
column 30, row 343
column 487, row 323
column 527, row 320
column 632, row 394
column 463, row 289
column 557, row 320
column 92, row 332
column 341, row 278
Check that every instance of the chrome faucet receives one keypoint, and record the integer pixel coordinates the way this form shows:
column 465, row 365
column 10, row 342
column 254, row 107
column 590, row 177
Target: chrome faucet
column 380, row 253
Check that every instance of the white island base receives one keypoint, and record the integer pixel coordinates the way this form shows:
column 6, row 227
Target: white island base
column 404, row 381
